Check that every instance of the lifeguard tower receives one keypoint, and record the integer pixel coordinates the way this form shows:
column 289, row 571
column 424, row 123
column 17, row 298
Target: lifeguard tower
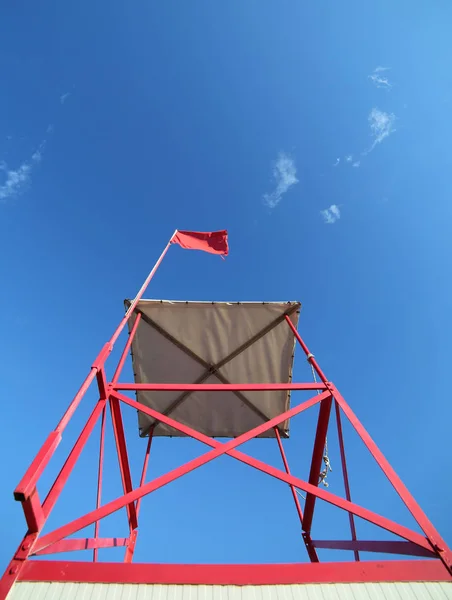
column 220, row 373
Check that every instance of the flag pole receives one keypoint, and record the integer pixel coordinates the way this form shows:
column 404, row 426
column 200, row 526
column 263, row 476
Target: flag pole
column 140, row 294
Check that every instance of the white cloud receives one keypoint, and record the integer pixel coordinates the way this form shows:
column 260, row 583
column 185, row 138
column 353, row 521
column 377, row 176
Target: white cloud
column 64, row 97
column 381, row 126
column 284, row 174
column 331, row 215
column 379, row 80
column 15, row 180
column 349, row 158
column 356, row 163
column 338, row 160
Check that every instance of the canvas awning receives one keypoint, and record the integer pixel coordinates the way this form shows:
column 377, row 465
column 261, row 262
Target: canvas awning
column 213, row 342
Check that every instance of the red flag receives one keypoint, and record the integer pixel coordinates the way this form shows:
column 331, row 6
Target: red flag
column 215, row 242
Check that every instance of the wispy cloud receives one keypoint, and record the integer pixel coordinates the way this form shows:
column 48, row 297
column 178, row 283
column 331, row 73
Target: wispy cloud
column 349, row 158
column 380, row 80
column 338, row 160
column 331, row 215
column 381, row 126
column 356, row 163
column 15, row 180
column 284, row 174
column 64, row 97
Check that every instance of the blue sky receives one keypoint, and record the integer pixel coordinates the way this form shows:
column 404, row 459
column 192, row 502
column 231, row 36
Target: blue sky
column 120, row 122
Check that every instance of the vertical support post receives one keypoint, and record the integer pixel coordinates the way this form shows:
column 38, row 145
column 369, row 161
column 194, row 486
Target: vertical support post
column 145, row 464
column 316, row 462
column 99, row 478
column 130, row 549
column 124, row 467
column 351, row 517
column 308, row 543
column 320, row 436
column 118, row 429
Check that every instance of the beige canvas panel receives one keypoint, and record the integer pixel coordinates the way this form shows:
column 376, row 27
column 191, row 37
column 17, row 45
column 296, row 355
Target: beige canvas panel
column 204, row 342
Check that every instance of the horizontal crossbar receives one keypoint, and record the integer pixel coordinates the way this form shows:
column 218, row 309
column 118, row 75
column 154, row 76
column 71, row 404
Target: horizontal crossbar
column 281, row 574
column 217, row 387
column 83, row 544
column 387, row 547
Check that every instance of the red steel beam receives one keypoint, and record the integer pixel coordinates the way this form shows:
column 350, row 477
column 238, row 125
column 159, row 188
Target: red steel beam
column 316, row 462
column 221, row 449
column 298, row 483
column 216, row 387
column 309, row 547
column 83, row 544
column 320, row 436
column 130, row 548
column 34, row 471
column 145, row 465
column 218, row 450
column 29, row 480
column 386, row 547
column 74, row 454
column 124, row 467
column 14, row 568
column 99, row 477
column 123, row 358
column 309, row 356
column 438, row 544
column 141, row 291
column 340, row 435
column 33, row 512
column 239, row 575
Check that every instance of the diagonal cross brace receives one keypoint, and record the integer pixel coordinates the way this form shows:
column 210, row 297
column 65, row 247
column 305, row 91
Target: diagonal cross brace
column 220, row 449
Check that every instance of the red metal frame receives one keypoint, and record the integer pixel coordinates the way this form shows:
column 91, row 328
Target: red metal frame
column 430, row 544
column 283, row 574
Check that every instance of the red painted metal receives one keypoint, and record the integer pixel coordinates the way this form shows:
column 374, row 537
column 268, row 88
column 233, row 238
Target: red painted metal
column 71, row 460
column 219, row 450
column 289, row 479
column 340, row 435
column 34, row 542
column 31, row 477
column 83, row 544
column 386, row 547
column 316, row 463
column 15, row 566
column 309, row 356
column 359, row 511
column 433, row 536
column 99, row 477
column 33, row 512
column 130, row 548
column 125, row 352
column 225, row 449
column 217, row 387
column 138, row 297
column 145, row 465
column 283, row 574
column 124, row 467
column 309, row 547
